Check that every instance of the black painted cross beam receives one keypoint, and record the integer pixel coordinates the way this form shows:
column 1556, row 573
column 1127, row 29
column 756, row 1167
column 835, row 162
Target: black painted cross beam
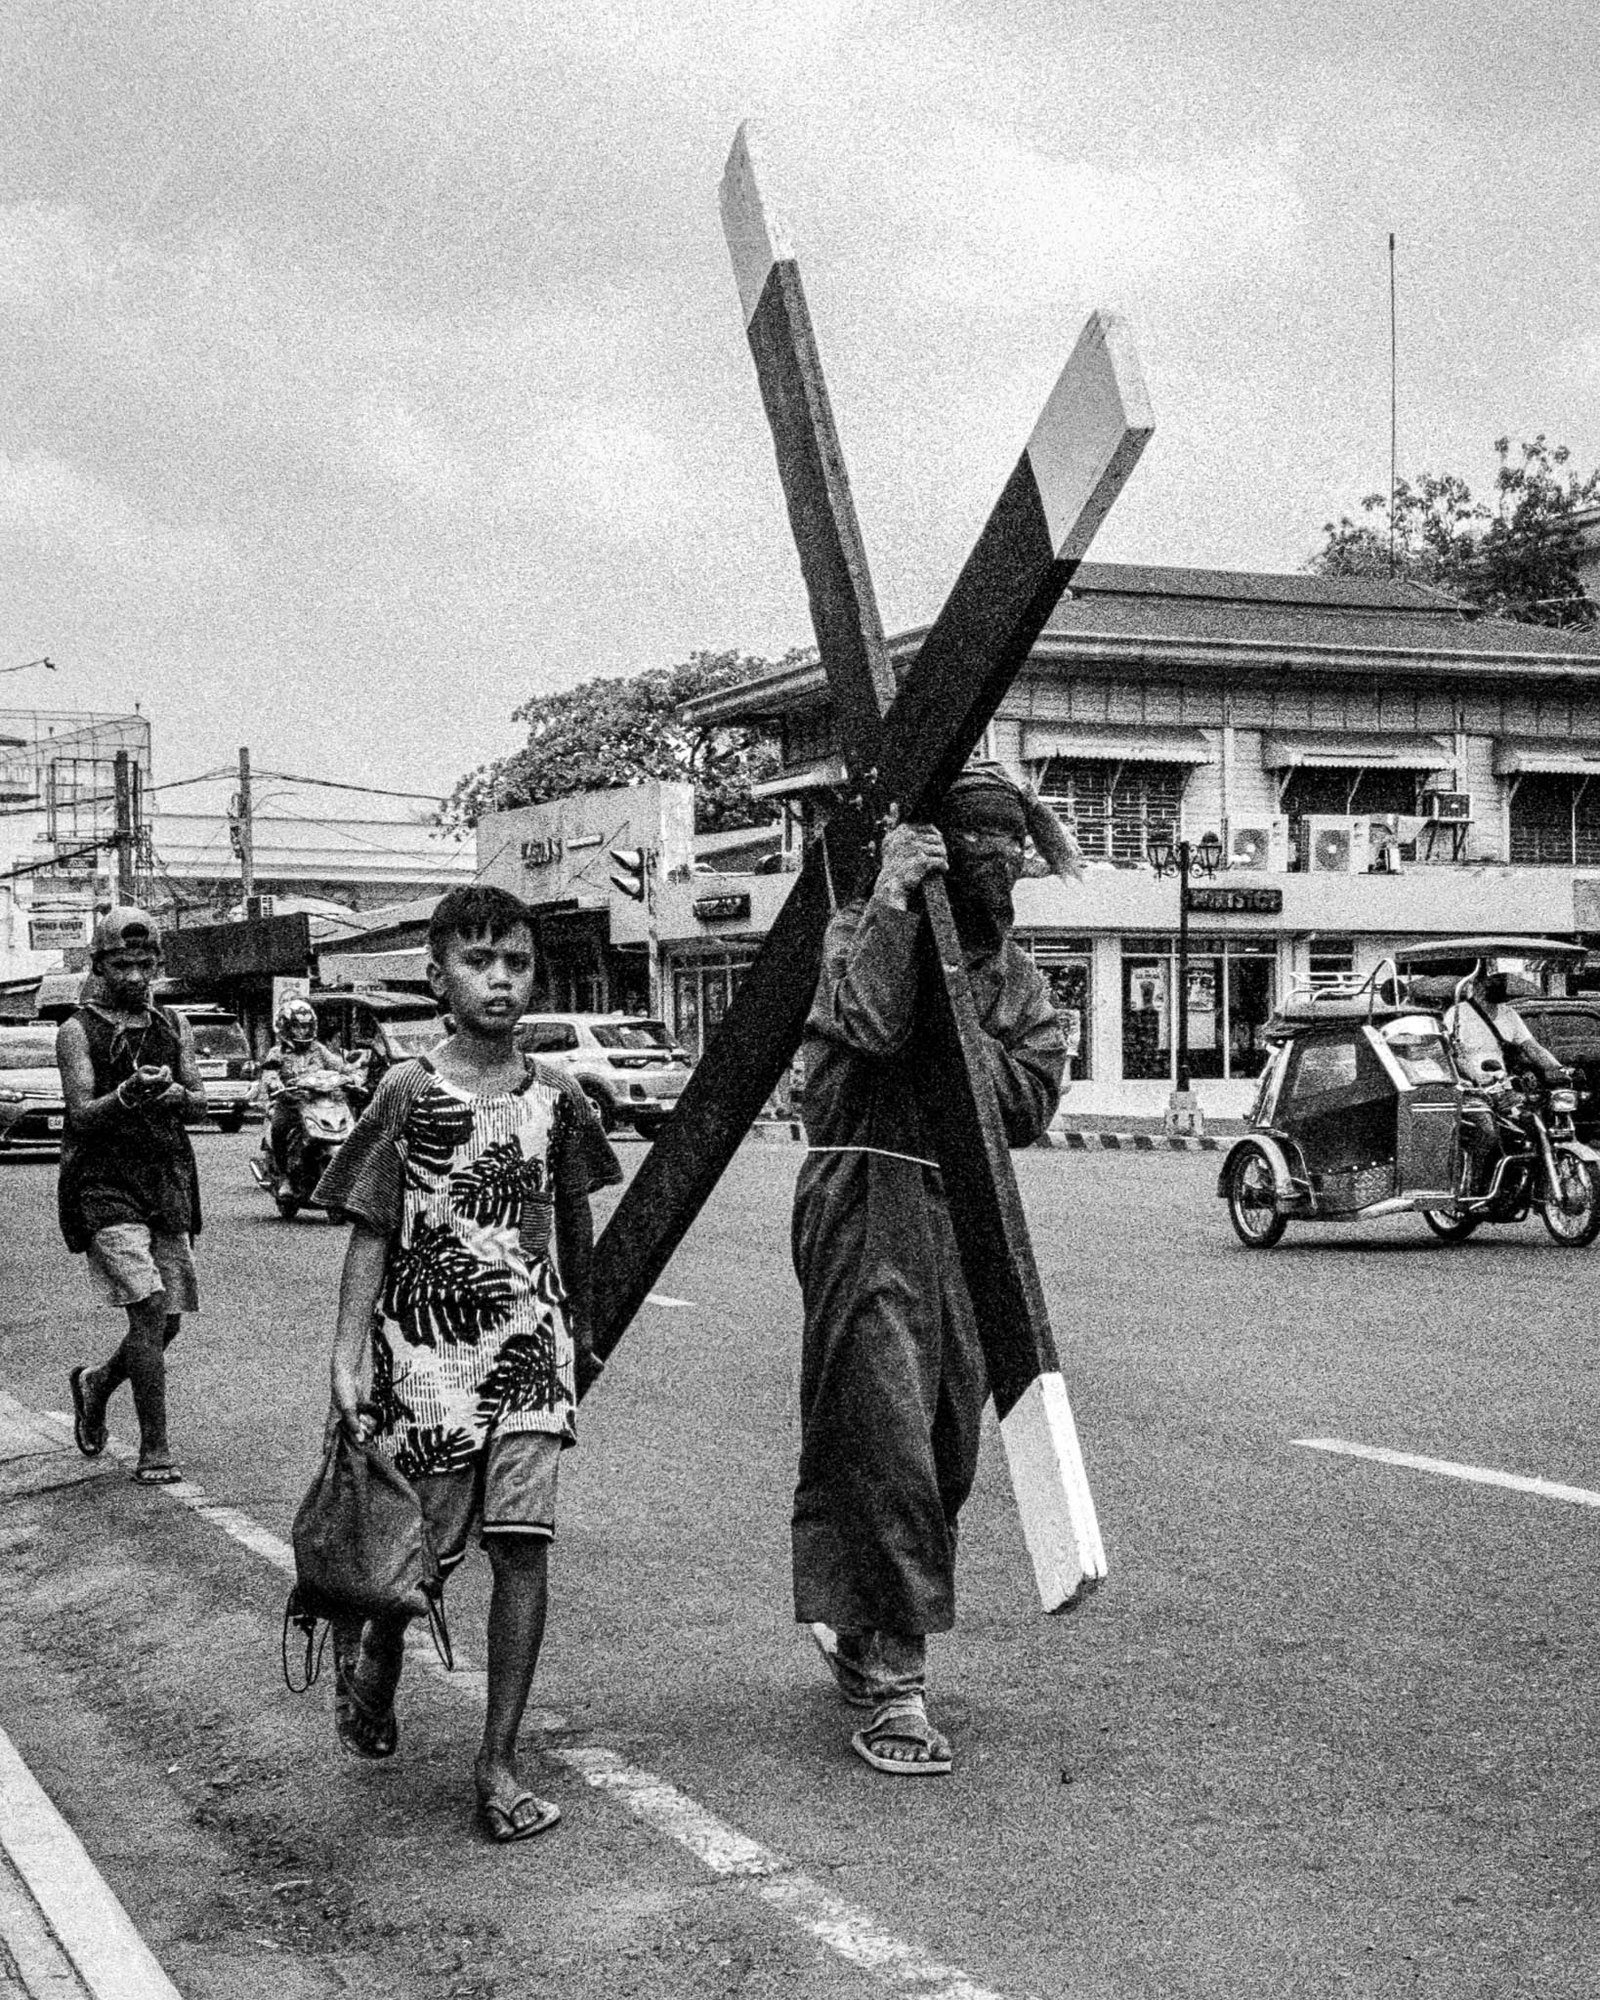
column 903, row 746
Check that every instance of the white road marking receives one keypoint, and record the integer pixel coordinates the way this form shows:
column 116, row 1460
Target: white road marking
column 92, row 1928
column 661, row 1299
column 1478, row 1475
column 850, row 1933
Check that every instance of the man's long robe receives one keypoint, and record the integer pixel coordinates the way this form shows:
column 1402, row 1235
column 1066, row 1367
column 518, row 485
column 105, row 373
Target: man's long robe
column 892, row 1376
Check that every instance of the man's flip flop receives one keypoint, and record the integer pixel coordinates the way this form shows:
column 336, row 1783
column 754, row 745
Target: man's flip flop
column 903, row 1721
column 90, row 1442
column 156, row 1475
column 498, row 1811
column 847, row 1677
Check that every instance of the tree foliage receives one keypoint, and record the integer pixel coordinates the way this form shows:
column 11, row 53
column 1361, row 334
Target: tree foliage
column 606, row 733
column 1517, row 558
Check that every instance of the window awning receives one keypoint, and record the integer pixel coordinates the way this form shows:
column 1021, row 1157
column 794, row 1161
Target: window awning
column 1571, row 756
column 1333, row 750
column 1089, row 743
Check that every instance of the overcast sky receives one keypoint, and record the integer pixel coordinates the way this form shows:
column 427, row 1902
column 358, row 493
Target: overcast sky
column 365, row 369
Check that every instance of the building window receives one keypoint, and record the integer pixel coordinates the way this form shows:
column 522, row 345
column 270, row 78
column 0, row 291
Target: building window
column 1555, row 821
column 701, row 990
column 1333, row 961
column 1350, row 789
column 1232, row 991
column 1065, row 963
column 1115, row 808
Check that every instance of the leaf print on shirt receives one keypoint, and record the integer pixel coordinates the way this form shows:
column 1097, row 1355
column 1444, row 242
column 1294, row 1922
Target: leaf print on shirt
column 391, row 1406
column 524, row 1378
column 496, row 1185
column 436, row 1128
column 437, row 1290
column 433, row 1449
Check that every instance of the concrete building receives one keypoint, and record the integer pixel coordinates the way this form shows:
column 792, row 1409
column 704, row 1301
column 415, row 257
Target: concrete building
column 1378, row 762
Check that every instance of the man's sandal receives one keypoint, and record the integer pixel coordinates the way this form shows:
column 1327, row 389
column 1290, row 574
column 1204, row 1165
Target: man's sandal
column 499, row 1810
column 89, row 1438
column 363, row 1731
column 904, row 1720
column 156, row 1475
column 853, row 1685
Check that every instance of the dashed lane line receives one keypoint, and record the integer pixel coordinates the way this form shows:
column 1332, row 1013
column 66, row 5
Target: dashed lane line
column 661, row 1299
column 1477, row 1475
column 849, row 1933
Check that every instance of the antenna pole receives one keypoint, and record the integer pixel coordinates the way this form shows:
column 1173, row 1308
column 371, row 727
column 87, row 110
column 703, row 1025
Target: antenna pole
column 1393, row 403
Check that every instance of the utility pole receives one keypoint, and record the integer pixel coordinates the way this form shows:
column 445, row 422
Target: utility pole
column 122, row 837
column 247, row 834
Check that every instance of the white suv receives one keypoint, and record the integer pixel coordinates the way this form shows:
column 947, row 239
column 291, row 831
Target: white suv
column 629, row 1066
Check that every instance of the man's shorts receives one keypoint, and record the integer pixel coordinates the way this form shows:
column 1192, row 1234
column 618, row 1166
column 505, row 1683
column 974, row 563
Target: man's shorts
column 509, row 1489
column 130, row 1262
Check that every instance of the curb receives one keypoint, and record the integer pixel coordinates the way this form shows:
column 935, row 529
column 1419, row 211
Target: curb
column 1127, row 1142
column 785, row 1131
column 61, row 1924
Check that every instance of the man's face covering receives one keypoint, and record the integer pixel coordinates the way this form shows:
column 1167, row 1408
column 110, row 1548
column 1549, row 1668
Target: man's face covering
column 985, row 831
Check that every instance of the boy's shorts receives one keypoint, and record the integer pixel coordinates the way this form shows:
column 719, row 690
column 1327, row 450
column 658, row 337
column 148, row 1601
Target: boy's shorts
column 130, row 1262
column 509, row 1489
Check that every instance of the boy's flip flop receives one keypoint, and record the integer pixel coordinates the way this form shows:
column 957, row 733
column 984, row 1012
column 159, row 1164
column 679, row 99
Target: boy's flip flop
column 360, row 1730
column 498, row 1810
column 903, row 1721
column 157, row 1475
column 90, row 1441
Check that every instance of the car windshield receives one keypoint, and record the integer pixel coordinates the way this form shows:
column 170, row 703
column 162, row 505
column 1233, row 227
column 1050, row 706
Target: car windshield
column 218, row 1038
column 632, row 1035
column 415, row 1038
column 27, row 1049
column 1419, row 1049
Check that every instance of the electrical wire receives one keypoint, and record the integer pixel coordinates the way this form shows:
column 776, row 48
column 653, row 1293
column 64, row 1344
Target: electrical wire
column 336, row 785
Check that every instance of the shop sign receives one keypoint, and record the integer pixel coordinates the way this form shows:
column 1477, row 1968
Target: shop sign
column 1237, row 902
column 721, row 909
column 55, row 933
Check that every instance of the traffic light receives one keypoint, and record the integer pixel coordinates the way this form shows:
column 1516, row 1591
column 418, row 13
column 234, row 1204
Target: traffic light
column 628, row 868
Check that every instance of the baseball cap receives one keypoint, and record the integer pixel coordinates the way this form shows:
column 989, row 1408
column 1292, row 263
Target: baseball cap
column 125, row 928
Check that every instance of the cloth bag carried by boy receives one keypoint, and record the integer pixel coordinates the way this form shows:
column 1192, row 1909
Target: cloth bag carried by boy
column 361, row 1550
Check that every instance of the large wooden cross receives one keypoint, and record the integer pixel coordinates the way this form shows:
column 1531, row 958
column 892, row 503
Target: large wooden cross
column 903, row 743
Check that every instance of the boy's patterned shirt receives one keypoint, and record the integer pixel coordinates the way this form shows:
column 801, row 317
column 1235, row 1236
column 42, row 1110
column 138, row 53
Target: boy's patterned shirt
column 468, row 1338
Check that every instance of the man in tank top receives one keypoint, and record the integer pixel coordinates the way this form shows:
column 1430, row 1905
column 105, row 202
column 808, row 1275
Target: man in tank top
column 128, row 1191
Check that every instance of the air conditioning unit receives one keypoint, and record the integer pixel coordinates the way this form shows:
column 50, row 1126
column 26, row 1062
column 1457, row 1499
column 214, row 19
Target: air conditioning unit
column 1333, row 845
column 1259, row 844
column 1447, row 805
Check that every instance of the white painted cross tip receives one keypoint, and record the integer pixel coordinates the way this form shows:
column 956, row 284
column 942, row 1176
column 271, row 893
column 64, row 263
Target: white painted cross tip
column 757, row 238
column 1053, row 1498
column 1090, row 433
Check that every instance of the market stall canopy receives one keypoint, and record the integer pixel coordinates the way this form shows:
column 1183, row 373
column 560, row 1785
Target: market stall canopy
column 1438, row 951
column 1565, row 756
column 1339, row 750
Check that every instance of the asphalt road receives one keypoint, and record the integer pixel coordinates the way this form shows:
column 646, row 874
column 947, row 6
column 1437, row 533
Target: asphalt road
column 1328, row 1727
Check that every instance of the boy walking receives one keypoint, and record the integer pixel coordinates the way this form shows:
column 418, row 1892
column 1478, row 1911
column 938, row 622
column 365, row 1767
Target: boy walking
column 128, row 1192
column 464, row 1167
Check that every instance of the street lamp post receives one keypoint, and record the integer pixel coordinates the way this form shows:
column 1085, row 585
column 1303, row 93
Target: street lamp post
column 1180, row 858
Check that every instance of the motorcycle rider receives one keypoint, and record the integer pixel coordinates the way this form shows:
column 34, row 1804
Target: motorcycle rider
column 1511, row 1045
column 295, row 1054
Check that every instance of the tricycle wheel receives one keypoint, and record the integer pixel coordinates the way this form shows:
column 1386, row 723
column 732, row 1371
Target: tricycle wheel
column 1449, row 1224
column 1574, row 1220
column 1253, row 1200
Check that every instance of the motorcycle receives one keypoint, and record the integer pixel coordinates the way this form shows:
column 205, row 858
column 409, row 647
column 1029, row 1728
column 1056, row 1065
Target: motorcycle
column 1539, row 1162
column 322, row 1122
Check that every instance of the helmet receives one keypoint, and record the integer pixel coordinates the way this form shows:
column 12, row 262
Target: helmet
column 125, row 927
column 297, row 1019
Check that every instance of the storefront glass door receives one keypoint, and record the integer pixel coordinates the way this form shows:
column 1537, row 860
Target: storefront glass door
column 1232, row 986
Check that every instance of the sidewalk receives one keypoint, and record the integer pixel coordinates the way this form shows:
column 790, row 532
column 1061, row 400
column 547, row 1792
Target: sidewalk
column 63, row 1933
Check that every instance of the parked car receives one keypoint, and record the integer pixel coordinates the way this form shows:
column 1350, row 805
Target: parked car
column 1570, row 1030
column 629, row 1066
column 376, row 1029
column 222, row 1056
column 33, row 1108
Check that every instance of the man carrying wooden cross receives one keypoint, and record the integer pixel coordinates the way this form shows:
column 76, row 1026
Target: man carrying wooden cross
column 893, row 1379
